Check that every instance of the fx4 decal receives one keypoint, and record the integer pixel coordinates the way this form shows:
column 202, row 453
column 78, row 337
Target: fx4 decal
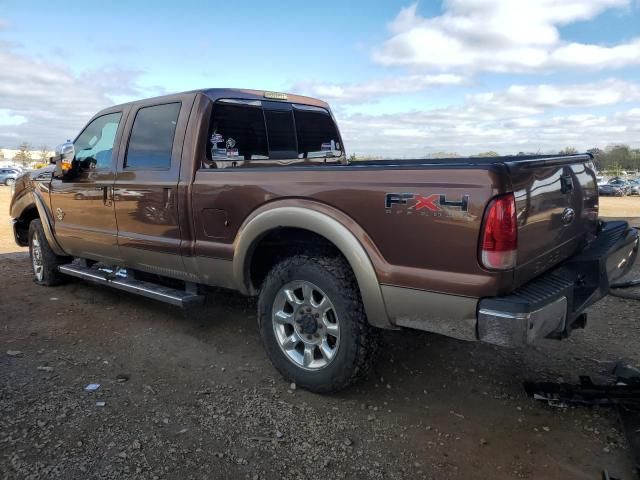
column 436, row 205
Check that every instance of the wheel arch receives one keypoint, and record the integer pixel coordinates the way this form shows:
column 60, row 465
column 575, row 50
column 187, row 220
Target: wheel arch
column 30, row 206
column 328, row 224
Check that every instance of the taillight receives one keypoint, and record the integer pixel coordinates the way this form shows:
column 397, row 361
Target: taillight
column 499, row 238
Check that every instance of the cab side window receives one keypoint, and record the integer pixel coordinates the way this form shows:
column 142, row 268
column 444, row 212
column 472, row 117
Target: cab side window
column 94, row 146
column 151, row 141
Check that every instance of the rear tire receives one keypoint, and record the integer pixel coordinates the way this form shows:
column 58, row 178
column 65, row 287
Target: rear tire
column 9, row 181
column 44, row 261
column 312, row 323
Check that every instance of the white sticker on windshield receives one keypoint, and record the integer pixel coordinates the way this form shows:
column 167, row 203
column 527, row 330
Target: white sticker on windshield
column 217, row 138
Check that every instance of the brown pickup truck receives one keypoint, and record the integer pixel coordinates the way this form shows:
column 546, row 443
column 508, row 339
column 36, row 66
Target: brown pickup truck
column 252, row 191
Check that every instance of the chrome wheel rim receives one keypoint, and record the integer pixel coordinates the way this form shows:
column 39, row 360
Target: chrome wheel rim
column 305, row 324
column 36, row 258
column 9, row 182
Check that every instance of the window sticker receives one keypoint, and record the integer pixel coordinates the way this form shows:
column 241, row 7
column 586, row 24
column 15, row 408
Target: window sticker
column 219, row 152
column 216, row 138
column 231, row 150
column 326, row 146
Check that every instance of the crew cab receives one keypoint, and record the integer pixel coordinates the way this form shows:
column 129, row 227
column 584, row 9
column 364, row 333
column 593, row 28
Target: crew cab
column 252, row 191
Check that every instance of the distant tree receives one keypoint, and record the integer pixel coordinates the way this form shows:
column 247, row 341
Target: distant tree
column 615, row 158
column 490, row 153
column 44, row 153
column 24, row 154
column 443, row 155
column 353, row 158
column 597, row 156
column 568, row 151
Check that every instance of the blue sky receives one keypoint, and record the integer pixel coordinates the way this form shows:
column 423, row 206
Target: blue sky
column 405, row 79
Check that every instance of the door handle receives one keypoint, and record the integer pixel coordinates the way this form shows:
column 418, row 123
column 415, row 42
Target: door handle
column 107, row 194
column 168, row 198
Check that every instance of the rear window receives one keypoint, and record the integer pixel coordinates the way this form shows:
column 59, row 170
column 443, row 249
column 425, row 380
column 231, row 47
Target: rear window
column 237, row 132
column 316, row 130
column 243, row 130
column 281, row 134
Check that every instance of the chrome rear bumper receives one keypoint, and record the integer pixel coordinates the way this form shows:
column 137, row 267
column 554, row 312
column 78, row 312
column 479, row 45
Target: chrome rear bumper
column 554, row 303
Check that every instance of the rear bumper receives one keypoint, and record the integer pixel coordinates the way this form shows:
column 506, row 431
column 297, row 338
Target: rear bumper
column 554, row 303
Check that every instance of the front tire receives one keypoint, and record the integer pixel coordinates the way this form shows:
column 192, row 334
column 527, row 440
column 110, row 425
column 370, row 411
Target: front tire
column 44, row 261
column 9, row 181
column 313, row 325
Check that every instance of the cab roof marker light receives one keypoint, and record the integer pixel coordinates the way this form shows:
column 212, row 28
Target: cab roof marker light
column 276, row 95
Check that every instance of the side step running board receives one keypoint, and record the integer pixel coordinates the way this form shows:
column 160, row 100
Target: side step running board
column 173, row 296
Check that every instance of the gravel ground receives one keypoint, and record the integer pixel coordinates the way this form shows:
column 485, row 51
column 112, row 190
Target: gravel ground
column 192, row 395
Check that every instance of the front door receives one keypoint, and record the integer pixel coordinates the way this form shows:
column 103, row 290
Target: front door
column 146, row 186
column 81, row 202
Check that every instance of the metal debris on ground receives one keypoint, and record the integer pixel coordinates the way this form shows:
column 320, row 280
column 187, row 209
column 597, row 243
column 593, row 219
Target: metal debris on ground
column 92, row 387
column 623, row 395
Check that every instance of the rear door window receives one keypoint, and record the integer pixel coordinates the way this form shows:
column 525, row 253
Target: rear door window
column 151, row 142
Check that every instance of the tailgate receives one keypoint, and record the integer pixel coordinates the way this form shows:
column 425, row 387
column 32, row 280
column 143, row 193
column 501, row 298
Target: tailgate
column 557, row 208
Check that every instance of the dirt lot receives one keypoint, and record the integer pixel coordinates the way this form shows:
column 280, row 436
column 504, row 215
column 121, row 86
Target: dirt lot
column 197, row 397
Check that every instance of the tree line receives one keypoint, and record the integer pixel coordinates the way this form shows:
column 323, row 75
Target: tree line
column 614, row 158
column 24, row 154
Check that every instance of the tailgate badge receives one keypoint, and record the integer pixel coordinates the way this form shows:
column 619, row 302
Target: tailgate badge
column 567, row 216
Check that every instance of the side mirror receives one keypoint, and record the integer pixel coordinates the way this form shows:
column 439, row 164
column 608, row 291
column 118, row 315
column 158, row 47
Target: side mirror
column 65, row 153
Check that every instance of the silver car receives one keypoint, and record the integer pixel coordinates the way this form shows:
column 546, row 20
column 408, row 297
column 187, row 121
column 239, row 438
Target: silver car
column 8, row 176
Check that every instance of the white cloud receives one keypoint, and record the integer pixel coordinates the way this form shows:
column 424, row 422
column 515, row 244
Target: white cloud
column 596, row 94
column 46, row 103
column 501, row 36
column 520, row 118
column 360, row 92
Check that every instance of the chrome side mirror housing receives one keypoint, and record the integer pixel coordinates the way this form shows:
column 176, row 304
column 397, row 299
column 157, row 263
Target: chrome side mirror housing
column 65, row 154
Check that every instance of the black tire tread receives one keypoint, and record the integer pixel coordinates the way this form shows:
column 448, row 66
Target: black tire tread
column 367, row 337
column 51, row 261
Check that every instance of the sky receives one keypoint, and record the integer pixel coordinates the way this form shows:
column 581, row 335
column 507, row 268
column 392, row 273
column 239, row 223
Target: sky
column 403, row 79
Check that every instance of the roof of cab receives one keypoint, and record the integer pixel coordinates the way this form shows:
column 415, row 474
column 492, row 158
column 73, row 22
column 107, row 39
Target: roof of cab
column 237, row 93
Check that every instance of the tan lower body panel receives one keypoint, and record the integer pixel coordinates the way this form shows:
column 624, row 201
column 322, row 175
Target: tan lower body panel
column 450, row 315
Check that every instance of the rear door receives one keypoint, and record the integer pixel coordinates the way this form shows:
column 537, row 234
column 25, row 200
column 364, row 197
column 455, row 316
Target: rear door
column 146, row 185
column 81, row 202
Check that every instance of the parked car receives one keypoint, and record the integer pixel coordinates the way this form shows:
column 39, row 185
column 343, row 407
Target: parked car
column 8, row 176
column 609, row 189
column 634, row 187
column 622, row 184
column 252, row 191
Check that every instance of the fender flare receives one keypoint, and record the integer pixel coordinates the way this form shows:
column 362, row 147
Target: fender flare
column 328, row 227
column 47, row 224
